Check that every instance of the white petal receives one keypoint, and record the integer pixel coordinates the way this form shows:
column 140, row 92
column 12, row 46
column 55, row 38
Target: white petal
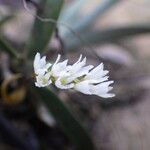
column 83, row 87
column 80, row 64
column 97, row 72
column 59, row 84
column 48, row 65
column 79, row 59
column 43, row 80
column 97, row 69
column 37, row 58
column 62, row 65
column 59, row 69
column 108, row 95
column 83, row 62
column 97, row 81
column 43, row 61
column 36, row 61
column 40, row 66
column 77, row 69
column 102, row 89
column 58, row 58
column 40, row 71
column 83, row 71
column 37, row 84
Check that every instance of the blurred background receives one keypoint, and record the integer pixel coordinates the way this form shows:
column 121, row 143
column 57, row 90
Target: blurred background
column 115, row 32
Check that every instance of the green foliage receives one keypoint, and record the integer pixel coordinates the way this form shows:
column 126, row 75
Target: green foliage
column 97, row 37
column 43, row 29
column 83, row 24
column 44, row 25
column 6, row 47
column 66, row 120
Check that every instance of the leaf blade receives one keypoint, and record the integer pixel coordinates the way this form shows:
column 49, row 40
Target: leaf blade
column 66, row 120
column 42, row 30
column 98, row 37
column 4, row 46
column 83, row 25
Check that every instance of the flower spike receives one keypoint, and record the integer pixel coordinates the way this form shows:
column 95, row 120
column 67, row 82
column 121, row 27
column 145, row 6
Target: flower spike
column 82, row 78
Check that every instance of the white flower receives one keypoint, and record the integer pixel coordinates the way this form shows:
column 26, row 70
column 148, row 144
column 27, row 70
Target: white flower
column 43, row 80
column 59, row 74
column 98, row 74
column 63, row 84
column 86, row 79
column 100, row 89
column 40, row 65
column 95, row 83
column 71, row 72
column 78, row 69
column 41, row 71
column 59, row 68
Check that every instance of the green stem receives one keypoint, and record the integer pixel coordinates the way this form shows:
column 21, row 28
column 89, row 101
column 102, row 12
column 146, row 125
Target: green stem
column 4, row 46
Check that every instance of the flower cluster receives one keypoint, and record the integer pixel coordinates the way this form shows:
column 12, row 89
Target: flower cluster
column 86, row 79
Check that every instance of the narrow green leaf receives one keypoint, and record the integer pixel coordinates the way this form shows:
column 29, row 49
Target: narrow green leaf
column 42, row 30
column 71, row 14
column 66, row 120
column 84, row 24
column 4, row 46
column 98, row 12
column 105, row 36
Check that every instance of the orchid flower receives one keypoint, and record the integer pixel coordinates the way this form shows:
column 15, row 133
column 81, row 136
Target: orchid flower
column 82, row 78
column 41, row 71
column 40, row 65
